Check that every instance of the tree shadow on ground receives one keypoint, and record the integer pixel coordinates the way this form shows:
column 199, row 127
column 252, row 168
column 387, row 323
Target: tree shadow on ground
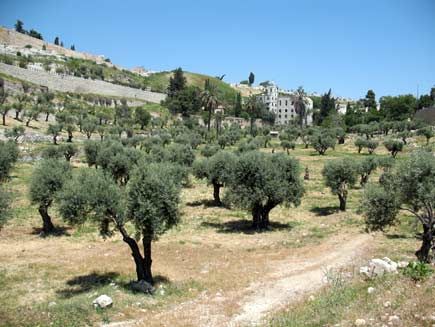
column 324, row 211
column 206, row 203
column 58, row 231
column 85, row 283
column 245, row 226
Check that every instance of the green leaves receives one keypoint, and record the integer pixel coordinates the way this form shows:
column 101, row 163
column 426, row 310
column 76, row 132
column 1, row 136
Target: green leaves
column 152, row 199
column 48, row 178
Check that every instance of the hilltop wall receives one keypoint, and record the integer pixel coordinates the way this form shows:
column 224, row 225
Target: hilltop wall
column 19, row 40
column 66, row 83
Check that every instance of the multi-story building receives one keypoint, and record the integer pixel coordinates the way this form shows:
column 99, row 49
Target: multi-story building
column 281, row 103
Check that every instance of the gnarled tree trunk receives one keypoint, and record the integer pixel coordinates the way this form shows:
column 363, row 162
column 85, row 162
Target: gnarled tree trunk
column 216, row 193
column 47, row 225
column 423, row 254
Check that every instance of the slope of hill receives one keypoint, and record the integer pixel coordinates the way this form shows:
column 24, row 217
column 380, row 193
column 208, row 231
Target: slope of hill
column 159, row 82
column 46, row 57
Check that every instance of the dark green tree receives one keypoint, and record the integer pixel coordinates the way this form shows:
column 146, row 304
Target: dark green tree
column 19, row 27
column 142, row 117
column 238, row 105
column 251, row 78
column 370, row 100
column 56, row 40
column 262, row 181
column 177, row 82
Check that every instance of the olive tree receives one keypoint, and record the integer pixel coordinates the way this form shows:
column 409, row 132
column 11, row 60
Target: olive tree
column 217, row 170
column 150, row 202
column 142, row 117
column 360, row 143
column 393, row 146
column 322, row 141
column 371, row 145
column 340, row 175
column 262, row 181
column 287, row 145
column 409, row 186
column 4, row 206
column 54, row 130
column 68, row 150
column 427, row 132
column 365, row 168
column 92, row 149
column 8, row 157
column 47, row 178
column 15, row 133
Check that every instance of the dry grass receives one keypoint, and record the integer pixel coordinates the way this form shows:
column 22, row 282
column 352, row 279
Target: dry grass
column 212, row 251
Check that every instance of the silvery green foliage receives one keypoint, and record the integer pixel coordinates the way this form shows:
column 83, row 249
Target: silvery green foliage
column 261, row 179
column 152, row 199
column 48, row 177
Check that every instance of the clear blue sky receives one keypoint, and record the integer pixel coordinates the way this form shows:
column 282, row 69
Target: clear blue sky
column 347, row 45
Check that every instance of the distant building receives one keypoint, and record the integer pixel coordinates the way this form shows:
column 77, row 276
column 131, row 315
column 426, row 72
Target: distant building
column 427, row 115
column 281, row 103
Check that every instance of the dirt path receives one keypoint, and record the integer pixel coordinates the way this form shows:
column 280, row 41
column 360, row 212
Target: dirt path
column 293, row 278
column 285, row 282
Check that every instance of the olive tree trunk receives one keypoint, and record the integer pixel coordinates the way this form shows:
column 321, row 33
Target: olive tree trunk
column 142, row 263
column 216, row 193
column 423, row 254
column 47, row 225
column 342, row 199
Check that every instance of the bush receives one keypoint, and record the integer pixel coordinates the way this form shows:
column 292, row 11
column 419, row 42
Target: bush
column 418, row 270
column 208, row 150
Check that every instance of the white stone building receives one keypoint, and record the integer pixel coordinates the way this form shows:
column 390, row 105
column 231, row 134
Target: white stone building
column 281, row 103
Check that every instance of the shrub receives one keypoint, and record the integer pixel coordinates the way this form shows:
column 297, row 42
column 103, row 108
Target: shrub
column 418, row 270
column 208, row 150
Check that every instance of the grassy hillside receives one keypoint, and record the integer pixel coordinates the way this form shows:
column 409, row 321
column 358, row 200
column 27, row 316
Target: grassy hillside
column 160, row 81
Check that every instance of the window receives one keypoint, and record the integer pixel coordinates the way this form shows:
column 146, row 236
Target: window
column 286, row 110
column 279, row 102
column 286, row 103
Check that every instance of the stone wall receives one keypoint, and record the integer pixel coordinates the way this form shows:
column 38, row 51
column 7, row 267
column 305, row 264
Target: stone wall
column 66, row 83
column 19, row 40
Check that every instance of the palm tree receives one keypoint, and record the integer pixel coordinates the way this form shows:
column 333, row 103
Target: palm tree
column 209, row 100
column 253, row 107
column 300, row 106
